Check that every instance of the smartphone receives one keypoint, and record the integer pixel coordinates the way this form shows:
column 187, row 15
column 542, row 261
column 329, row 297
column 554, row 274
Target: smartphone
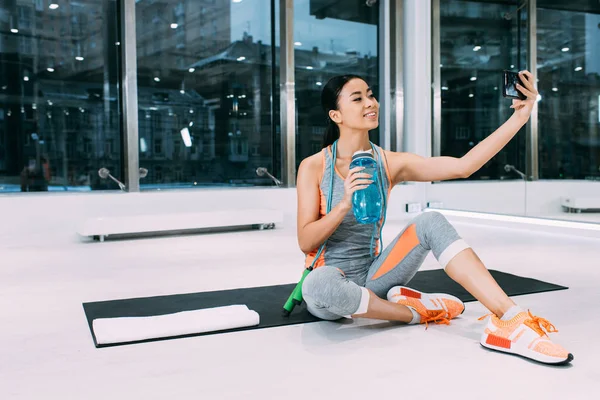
column 509, row 88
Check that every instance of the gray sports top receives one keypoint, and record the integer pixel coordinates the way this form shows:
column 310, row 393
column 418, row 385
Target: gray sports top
column 349, row 247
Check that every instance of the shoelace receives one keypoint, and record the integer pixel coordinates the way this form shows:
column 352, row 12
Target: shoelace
column 440, row 317
column 540, row 325
column 437, row 317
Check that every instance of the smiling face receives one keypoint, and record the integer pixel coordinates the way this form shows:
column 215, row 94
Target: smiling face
column 357, row 107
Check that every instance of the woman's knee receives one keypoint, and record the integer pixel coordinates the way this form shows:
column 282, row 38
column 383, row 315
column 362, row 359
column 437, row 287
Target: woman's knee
column 438, row 235
column 320, row 280
column 433, row 226
column 326, row 288
column 431, row 218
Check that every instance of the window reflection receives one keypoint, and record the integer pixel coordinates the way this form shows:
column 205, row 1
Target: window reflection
column 59, row 110
column 478, row 40
column 205, row 87
column 331, row 38
column 569, row 74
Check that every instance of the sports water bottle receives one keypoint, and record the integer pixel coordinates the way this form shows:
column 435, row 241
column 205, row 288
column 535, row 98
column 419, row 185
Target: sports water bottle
column 366, row 203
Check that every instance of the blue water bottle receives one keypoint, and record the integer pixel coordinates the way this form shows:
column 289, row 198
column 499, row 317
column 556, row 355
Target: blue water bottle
column 366, row 203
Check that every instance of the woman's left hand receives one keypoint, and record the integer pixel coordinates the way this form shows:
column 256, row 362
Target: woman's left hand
column 523, row 107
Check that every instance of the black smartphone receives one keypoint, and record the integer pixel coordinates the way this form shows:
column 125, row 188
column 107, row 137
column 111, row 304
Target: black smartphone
column 509, row 88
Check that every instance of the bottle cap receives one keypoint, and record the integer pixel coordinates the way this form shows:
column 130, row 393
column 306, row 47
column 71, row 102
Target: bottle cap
column 363, row 153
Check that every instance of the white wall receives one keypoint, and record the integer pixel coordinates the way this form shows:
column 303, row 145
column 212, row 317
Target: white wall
column 496, row 197
column 417, row 77
column 538, row 198
column 543, row 197
column 48, row 218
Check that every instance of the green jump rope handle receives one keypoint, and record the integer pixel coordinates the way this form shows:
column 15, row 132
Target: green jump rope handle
column 296, row 295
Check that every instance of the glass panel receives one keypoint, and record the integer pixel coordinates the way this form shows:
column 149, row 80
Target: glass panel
column 59, row 102
column 569, row 72
column 478, row 40
column 205, row 89
column 568, row 35
column 473, row 59
column 331, row 39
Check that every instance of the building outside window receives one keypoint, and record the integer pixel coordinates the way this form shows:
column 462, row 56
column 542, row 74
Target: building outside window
column 210, row 81
column 331, row 38
column 59, row 99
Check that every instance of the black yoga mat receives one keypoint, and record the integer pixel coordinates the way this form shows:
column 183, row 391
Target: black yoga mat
column 268, row 301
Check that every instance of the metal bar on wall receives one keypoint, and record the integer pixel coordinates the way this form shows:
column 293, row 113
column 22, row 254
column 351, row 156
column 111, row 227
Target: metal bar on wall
column 129, row 100
column 272, row 106
column 437, row 79
column 397, row 74
column 532, row 166
column 386, row 130
column 287, row 93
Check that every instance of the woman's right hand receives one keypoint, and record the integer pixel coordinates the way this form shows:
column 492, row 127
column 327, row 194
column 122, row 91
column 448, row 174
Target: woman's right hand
column 355, row 180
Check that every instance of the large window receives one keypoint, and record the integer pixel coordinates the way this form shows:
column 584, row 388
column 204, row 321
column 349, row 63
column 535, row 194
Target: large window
column 205, row 89
column 569, row 83
column 331, row 38
column 478, row 40
column 59, row 103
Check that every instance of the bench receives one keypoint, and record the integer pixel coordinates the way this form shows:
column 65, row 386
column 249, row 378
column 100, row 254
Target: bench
column 100, row 228
column 579, row 204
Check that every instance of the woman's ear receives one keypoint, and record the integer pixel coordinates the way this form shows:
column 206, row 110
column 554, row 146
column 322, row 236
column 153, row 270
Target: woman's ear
column 335, row 116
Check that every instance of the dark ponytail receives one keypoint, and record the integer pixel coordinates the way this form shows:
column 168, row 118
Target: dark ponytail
column 332, row 133
column 329, row 101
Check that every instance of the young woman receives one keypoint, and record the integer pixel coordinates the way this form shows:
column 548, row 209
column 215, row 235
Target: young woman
column 352, row 278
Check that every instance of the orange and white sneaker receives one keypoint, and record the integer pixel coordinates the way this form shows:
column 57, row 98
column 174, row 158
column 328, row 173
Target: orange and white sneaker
column 524, row 335
column 431, row 307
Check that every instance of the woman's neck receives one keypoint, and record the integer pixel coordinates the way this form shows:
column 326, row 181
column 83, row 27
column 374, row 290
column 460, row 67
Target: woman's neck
column 348, row 144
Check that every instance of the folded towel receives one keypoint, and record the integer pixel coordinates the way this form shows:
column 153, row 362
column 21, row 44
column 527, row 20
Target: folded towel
column 132, row 329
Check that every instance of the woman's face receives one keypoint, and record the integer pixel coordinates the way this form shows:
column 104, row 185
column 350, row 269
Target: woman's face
column 357, row 107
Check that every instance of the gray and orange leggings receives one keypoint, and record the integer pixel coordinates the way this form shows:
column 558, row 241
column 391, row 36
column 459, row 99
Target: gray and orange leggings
column 330, row 295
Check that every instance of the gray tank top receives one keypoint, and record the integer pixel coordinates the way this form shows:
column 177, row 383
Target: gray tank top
column 353, row 246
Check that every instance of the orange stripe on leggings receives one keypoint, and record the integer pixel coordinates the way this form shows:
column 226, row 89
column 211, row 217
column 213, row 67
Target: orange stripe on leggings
column 408, row 241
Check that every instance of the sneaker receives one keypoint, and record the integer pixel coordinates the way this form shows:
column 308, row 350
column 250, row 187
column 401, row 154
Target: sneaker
column 432, row 307
column 524, row 335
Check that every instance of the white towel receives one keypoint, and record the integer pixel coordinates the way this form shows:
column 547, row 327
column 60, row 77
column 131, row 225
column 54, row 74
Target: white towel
column 130, row 329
